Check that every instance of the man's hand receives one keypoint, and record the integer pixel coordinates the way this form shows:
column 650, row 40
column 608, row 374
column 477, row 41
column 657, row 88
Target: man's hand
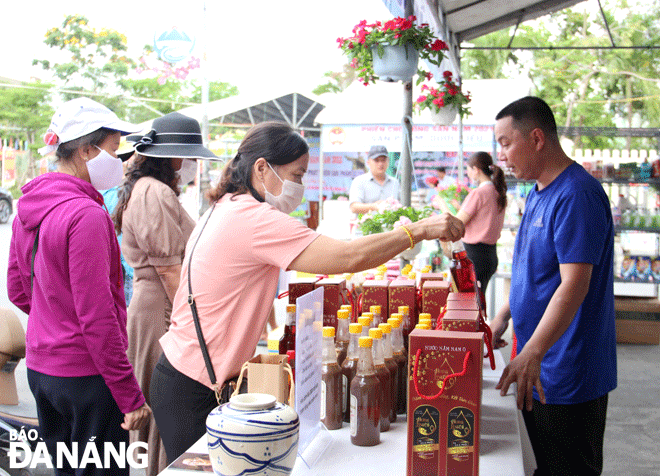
column 137, row 418
column 444, row 227
column 525, row 370
column 498, row 326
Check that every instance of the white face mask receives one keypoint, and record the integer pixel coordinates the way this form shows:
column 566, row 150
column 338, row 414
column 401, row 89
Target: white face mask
column 188, row 171
column 289, row 199
column 105, row 171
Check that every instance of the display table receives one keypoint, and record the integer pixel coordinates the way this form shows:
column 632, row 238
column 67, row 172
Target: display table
column 504, row 445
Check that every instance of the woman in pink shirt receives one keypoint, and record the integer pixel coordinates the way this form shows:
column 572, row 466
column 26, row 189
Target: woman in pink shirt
column 238, row 248
column 482, row 212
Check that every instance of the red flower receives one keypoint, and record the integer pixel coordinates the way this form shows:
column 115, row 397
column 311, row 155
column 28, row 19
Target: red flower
column 447, row 75
column 429, row 76
column 424, row 87
column 438, row 45
column 421, row 98
column 50, row 138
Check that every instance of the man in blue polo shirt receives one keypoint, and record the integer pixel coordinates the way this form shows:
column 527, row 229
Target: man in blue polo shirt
column 371, row 188
column 561, row 300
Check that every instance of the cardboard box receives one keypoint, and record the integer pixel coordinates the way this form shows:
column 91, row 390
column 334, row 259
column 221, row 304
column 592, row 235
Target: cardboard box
column 300, row 287
column 461, row 321
column 443, row 429
column 375, row 293
column 403, row 292
column 334, row 295
column 434, row 298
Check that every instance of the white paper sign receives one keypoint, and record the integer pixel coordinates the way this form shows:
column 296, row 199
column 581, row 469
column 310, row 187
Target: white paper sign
column 309, row 325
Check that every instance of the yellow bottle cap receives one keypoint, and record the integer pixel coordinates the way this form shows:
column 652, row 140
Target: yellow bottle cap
column 355, row 328
column 374, row 309
column 404, row 310
column 394, row 322
column 346, row 306
column 423, row 326
column 368, row 314
column 424, row 315
column 412, row 275
column 386, row 328
column 396, row 315
column 328, row 331
column 342, row 314
column 375, row 333
column 363, row 321
column 366, row 342
column 290, row 308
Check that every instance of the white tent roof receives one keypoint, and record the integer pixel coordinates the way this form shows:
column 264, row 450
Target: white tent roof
column 382, row 103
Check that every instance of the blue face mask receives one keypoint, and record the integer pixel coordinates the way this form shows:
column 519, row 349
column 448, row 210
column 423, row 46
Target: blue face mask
column 289, row 199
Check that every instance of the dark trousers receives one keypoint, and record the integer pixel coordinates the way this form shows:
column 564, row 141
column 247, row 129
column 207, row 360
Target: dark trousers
column 78, row 409
column 485, row 261
column 567, row 439
column 180, row 406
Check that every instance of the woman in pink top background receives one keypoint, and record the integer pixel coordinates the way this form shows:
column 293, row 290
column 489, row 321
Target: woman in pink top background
column 482, row 212
column 238, row 248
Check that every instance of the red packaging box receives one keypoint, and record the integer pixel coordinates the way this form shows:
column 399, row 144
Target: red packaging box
column 403, row 292
column 434, row 297
column 375, row 293
column 300, row 287
column 443, row 428
column 334, row 295
column 467, row 305
column 430, row 277
column 462, row 297
column 461, row 321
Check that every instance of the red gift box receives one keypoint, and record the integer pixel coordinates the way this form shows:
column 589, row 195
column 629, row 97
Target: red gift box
column 434, row 297
column 403, row 292
column 423, row 277
column 466, row 305
column 462, row 297
column 300, row 287
column 334, row 295
column 444, row 403
column 461, row 321
column 375, row 293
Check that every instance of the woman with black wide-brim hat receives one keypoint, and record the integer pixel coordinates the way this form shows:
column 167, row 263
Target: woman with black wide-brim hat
column 155, row 229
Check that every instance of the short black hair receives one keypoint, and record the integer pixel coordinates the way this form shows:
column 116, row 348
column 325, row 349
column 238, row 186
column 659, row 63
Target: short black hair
column 442, row 169
column 529, row 113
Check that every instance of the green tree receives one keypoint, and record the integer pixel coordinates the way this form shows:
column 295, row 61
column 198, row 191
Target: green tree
column 217, row 90
column 338, row 81
column 95, row 60
column 25, row 114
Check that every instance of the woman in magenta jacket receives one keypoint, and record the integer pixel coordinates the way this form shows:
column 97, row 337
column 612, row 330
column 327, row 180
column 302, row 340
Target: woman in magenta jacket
column 76, row 340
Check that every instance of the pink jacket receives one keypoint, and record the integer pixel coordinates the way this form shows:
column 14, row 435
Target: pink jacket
column 77, row 312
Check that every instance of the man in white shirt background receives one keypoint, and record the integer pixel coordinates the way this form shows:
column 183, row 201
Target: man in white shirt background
column 371, row 188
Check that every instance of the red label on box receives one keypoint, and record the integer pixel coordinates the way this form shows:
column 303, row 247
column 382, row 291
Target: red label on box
column 430, row 277
column 375, row 293
column 434, row 297
column 403, row 292
column 300, row 287
column 461, row 321
column 334, row 293
column 462, row 297
column 443, row 413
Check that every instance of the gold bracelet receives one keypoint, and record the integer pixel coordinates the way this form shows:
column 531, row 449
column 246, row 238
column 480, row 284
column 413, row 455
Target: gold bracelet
column 412, row 240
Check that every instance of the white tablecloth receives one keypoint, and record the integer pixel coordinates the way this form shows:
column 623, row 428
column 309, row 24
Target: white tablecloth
column 504, row 445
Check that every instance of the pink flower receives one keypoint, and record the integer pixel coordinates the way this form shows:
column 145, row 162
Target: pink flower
column 421, row 99
column 402, row 221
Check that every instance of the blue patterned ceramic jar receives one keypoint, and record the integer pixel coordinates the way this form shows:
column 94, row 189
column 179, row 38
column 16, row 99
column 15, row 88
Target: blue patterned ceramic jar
column 252, row 434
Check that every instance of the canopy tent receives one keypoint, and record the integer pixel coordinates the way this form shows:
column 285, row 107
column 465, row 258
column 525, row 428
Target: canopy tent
column 297, row 109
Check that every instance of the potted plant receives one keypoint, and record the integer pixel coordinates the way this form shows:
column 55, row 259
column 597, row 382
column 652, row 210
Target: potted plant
column 445, row 101
column 390, row 215
column 372, row 42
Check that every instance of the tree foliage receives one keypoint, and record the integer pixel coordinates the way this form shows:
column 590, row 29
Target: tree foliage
column 585, row 87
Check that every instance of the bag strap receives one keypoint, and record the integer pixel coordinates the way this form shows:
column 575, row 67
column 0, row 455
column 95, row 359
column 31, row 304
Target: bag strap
column 287, row 367
column 34, row 253
column 193, row 309
column 466, row 359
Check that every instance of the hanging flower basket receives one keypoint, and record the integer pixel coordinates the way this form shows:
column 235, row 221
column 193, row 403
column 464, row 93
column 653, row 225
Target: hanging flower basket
column 444, row 116
column 445, row 101
column 395, row 63
column 368, row 42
